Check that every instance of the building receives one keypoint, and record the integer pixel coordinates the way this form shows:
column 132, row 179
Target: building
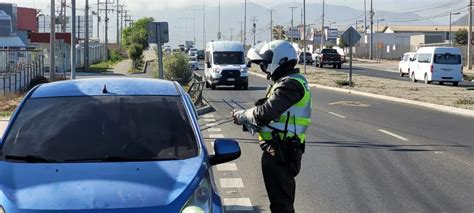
column 27, row 19
column 44, row 26
column 425, row 30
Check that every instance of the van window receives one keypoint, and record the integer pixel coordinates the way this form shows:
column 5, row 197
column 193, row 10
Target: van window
column 228, row 58
column 405, row 58
column 424, row 58
column 447, row 58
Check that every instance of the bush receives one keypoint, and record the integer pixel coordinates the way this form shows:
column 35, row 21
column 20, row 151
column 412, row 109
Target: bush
column 115, row 56
column 36, row 81
column 135, row 52
column 465, row 101
column 176, row 68
column 342, row 83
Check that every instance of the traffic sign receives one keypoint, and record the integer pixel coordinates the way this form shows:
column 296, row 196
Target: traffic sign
column 158, row 27
column 351, row 36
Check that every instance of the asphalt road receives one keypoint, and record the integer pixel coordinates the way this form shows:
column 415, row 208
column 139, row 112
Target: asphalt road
column 379, row 73
column 362, row 155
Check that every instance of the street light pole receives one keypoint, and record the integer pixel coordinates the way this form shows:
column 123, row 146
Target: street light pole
column 322, row 30
column 271, row 24
column 86, row 42
column 292, row 24
column 245, row 24
column 371, row 52
column 304, row 35
column 73, row 39
column 450, row 23
column 219, row 23
column 377, row 32
column 204, row 26
column 52, row 39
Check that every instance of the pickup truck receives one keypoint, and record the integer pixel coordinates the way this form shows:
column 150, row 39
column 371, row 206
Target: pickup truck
column 328, row 57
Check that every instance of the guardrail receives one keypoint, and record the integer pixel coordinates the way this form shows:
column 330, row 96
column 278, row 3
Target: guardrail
column 196, row 88
column 18, row 68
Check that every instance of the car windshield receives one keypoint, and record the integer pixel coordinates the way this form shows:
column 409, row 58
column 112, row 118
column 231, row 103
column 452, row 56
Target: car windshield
column 192, row 59
column 329, row 51
column 447, row 58
column 228, row 58
column 86, row 128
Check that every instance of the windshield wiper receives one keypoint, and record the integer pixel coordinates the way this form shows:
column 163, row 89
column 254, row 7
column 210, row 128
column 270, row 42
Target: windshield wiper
column 120, row 159
column 30, row 159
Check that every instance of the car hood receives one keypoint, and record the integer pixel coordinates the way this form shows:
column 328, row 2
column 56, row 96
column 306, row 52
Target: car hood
column 87, row 186
column 231, row 67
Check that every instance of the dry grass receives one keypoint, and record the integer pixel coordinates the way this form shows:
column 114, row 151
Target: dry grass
column 8, row 103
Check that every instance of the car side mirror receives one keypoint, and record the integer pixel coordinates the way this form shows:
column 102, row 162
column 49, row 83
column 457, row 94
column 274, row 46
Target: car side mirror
column 208, row 65
column 249, row 64
column 225, row 150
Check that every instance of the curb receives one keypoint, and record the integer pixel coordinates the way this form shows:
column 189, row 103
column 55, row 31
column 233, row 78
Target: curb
column 204, row 110
column 437, row 107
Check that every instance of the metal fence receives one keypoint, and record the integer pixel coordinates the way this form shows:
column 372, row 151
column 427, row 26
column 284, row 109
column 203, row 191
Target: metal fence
column 196, row 88
column 18, row 67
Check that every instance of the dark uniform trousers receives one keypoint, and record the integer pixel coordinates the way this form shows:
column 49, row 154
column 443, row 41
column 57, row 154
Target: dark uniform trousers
column 279, row 178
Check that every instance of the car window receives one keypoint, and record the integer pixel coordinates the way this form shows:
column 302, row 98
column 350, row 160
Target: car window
column 75, row 128
column 424, row 57
column 329, row 51
column 447, row 58
column 228, row 58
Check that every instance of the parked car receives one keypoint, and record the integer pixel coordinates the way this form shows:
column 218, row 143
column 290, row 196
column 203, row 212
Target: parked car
column 309, row 59
column 200, row 54
column 440, row 64
column 327, row 57
column 404, row 64
column 193, row 63
column 109, row 145
column 192, row 52
column 225, row 65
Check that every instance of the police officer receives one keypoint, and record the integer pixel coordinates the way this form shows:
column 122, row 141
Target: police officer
column 281, row 119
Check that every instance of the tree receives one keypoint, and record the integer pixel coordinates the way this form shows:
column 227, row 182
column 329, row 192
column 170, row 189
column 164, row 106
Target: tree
column 460, row 37
column 137, row 33
column 135, row 52
column 279, row 32
column 176, row 68
column 342, row 43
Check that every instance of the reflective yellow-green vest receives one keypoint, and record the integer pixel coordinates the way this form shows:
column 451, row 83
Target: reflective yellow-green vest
column 300, row 114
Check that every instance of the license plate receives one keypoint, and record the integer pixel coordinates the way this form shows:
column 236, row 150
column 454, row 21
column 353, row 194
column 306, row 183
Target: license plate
column 231, row 79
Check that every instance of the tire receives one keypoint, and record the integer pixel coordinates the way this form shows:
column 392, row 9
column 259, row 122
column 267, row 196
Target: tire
column 413, row 77
column 339, row 66
column 207, row 84
column 401, row 73
column 245, row 87
column 334, row 66
column 213, row 87
column 455, row 84
column 441, row 83
column 321, row 65
column 426, row 79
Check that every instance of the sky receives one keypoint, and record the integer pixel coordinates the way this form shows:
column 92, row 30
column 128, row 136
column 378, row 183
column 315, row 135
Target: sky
column 163, row 8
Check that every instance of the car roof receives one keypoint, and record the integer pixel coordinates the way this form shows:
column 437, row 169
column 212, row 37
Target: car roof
column 222, row 46
column 113, row 86
column 438, row 50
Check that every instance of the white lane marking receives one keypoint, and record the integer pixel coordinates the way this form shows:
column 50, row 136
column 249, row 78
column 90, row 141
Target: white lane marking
column 227, row 167
column 337, row 115
column 237, row 204
column 209, row 119
column 211, row 124
column 393, row 135
column 212, row 144
column 208, row 116
column 214, row 130
column 231, row 182
column 438, row 152
column 216, row 136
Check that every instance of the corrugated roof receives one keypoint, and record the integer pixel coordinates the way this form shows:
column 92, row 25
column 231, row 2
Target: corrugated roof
column 11, row 41
column 424, row 28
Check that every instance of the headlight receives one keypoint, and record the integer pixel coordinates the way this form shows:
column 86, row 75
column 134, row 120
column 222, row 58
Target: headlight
column 200, row 200
column 217, row 69
column 243, row 69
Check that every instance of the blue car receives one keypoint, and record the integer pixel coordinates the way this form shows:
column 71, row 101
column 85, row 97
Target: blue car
column 109, row 145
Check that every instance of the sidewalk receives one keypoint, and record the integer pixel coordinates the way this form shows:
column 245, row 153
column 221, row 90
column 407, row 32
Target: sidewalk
column 125, row 65
column 3, row 125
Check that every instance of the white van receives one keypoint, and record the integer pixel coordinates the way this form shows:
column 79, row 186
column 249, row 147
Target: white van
column 441, row 64
column 404, row 65
column 225, row 64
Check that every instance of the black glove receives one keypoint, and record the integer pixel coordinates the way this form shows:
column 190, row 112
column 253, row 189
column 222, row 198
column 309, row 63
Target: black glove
column 260, row 101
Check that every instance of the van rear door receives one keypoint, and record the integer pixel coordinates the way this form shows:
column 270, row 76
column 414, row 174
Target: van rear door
column 447, row 66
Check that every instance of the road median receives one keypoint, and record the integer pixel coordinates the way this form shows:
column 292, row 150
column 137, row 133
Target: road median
column 454, row 100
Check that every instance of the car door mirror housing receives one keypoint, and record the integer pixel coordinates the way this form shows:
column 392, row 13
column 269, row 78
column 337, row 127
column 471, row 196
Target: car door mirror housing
column 225, row 150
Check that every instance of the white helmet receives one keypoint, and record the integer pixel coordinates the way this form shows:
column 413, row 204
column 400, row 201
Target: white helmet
column 273, row 56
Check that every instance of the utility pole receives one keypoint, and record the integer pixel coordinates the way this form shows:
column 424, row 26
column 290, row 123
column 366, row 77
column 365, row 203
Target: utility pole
column 52, row 40
column 450, row 23
column 301, row 23
column 194, row 18
column 322, row 30
column 186, row 26
column 231, row 34
column 98, row 19
column 292, row 24
column 204, row 26
column 241, row 32
column 271, row 24
column 245, row 24
column 365, row 17
column 106, row 36
column 469, row 38
column 122, row 11
column 371, row 46
column 254, row 20
column 219, row 23
column 86, row 42
column 117, row 5
column 73, row 39
column 62, row 14
column 304, row 35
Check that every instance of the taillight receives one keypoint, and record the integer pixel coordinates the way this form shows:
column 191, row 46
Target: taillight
column 431, row 68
